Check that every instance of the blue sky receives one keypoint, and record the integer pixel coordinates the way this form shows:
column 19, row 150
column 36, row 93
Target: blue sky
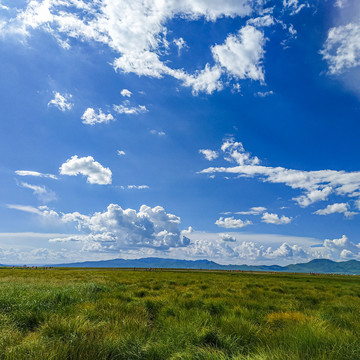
column 225, row 130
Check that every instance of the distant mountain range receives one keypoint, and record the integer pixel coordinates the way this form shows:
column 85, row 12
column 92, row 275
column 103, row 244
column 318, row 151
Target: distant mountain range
column 315, row 266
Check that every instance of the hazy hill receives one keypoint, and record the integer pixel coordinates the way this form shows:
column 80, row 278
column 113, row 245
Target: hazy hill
column 316, row 266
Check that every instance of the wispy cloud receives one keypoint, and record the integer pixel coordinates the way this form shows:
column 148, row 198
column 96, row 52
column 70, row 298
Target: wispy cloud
column 35, row 173
column 40, row 191
column 316, row 185
column 62, row 102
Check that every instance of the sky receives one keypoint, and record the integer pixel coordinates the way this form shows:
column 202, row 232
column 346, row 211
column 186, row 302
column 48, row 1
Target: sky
column 225, row 130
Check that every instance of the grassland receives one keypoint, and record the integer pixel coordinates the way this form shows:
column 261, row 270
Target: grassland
column 113, row 314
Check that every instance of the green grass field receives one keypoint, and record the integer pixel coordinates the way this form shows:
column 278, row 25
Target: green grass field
column 114, row 314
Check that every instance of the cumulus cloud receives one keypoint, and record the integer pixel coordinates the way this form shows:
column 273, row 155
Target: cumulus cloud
column 87, row 166
column 313, row 196
column 90, row 117
column 40, row 191
column 35, row 173
column 18, row 256
column 126, row 93
column 286, row 251
column 316, row 185
column 266, row 248
column 235, row 152
column 241, row 54
column 116, row 228
column 206, row 80
column 137, row 33
column 209, row 154
column 231, row 223
column 341, row 208
column 227, row 237
column 154, row 232
column 62, row 102
column 270, row 218
column 342, row 48
column 228, row 249
column 341, row 249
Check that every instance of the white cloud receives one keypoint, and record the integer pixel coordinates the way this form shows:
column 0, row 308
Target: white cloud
column 357, row 204
column 295, row 6
column 234, row 151
column 292, row 30
column 256, row 210
column 206, row 80
column 340, row 3
column 4, row 7
column 116, row 228
column 35, row 173
column 209, row 154
column 61, row 101
column 231, row 223
column 313, row 196
column 180, row 43
column 288, row 252
column 266, row 20
column 90, row 117
column 134, row 110
column 40, row 191
column 159, row 133
column 87, row 166
column 236, row 88
column 154, row 232
column 241, row 55
column 227, row 237
column 244, row 248
column 25, row 208
column 317, row 185
column 342, row 48
column 264, row 94
column 270, row 218
column 135, row 187
column 341, row 208
column 41, row 210
column 137, row 33
column 126, row 93
column 341, row 249
column 121, row 152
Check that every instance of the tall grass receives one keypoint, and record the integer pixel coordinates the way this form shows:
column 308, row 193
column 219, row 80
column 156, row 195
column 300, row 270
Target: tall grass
column 113, row 314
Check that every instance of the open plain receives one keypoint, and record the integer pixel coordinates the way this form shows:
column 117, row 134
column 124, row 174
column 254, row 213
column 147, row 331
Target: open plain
column 116, row 314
